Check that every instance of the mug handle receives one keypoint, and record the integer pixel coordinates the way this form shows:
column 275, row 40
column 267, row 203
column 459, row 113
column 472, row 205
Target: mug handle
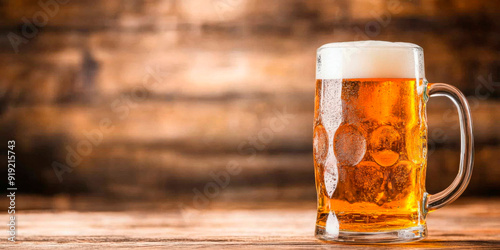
column 458, row 185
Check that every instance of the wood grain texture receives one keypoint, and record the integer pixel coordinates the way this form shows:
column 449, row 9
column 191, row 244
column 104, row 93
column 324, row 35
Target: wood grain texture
column 466, row 224
column 222, row 69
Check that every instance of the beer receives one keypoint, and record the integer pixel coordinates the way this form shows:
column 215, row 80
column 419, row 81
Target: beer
column 369, row 152
column 370, row 142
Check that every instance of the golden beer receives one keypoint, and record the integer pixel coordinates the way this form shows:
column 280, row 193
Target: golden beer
column 369, row 153
column 370, row 142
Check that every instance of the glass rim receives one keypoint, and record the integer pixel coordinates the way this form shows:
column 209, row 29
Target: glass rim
column 369, row 44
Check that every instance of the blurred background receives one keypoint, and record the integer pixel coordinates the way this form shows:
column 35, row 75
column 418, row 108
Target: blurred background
column 197, row 102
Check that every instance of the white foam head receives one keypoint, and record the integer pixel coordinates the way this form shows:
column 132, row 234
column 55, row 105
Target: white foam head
column 370, row 59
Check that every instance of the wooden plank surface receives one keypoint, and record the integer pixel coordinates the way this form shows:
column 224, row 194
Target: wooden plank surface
column 186, row 82
column 466, row 224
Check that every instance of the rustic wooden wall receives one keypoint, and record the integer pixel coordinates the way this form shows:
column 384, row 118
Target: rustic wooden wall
column 186, row 85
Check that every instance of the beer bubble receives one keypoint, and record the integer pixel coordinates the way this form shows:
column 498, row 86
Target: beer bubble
column 400, row 180
column 385, row 145
column 368, row 181
column 320, row 144
column 381, row 198
column 349, row 145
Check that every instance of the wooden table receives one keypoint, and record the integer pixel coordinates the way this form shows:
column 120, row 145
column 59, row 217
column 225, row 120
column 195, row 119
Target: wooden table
column 464, row 224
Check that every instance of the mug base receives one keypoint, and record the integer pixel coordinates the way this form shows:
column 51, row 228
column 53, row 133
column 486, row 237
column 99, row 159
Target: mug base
column 395, row 236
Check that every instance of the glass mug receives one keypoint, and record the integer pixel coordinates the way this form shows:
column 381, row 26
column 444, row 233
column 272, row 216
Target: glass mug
column 370, row 142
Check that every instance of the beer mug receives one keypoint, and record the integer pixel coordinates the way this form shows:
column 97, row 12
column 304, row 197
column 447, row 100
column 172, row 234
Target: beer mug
column 370, row 142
